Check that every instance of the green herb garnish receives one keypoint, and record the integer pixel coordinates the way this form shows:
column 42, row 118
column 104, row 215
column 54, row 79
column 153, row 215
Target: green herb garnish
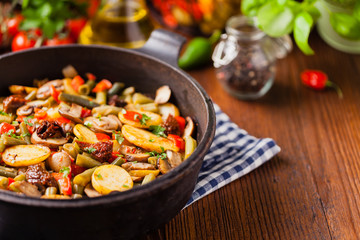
column 151, row 140
column 125, row 186
column 118, row 137
column 88, row 124
column 158, row 130
column 14, row 123
column 11, row 133
column 99, row 176
column 26, row 121
column 144, row 119
column 65, row 171
column 162, row 155
column 99, row 117
column 89, row 149
column 3, row 113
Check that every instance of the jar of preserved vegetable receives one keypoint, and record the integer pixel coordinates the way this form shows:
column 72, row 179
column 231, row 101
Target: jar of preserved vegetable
column 245, row 58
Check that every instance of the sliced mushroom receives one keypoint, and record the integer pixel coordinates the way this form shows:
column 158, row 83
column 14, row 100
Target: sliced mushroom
column 137, row 166
column 27, row 188
column 163, row 165
column 45, row 90
column 189, row 129
column 37, row 103
column 162, row 94
column 91, row 192
column 69, row 71
column 106, row 124
column 49, row 142
column 25, row 110
column 73, row 113
column 115, row 118
column 174, row 158
column 139, row 157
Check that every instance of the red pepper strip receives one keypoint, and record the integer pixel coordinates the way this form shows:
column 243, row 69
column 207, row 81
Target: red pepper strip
column 55, row 93
column 114, row 156
column 6, row 127
column 90, row 76
column 61, row 120
column 77, row 82
column 76, row 169
column 11, row 180
column 103, row 85
column 40, row 114
column 133, row 116
column 318, row 80
column 85, row 112
column 181, row 122
column 178, row 141
column 102, row 136
column 64, row 183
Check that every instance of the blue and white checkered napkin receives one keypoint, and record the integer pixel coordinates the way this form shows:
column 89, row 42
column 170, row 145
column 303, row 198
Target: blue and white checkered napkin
column 232, row 154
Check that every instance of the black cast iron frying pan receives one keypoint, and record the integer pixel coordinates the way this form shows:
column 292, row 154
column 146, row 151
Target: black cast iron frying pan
column 123, row 215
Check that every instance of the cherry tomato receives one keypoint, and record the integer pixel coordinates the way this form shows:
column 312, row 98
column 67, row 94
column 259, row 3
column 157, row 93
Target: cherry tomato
column 102, row 86
column 90, row 76
column 57, row 40
column 12, row 24
column 6, row 127
column 102, row 136
column 77, row 82
column 178, row 141
column 25, row 40
column 75, row 26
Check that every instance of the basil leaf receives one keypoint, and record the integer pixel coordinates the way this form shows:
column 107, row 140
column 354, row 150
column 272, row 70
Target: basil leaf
column 251, row 7
column 48, row 28
column 302, row 27
column 44, row 11
column 345, row 25
column 275, row 20
column 29, row 23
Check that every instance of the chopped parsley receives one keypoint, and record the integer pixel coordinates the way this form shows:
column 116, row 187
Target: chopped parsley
column 11, row 133
column 158, row 130
column 88, row 124
column 3, row 113
column 120, row 155
column 125, row 186
column 65, row 171
column 144, row 119
column 26, row 121
column 118, row 137
column 151, row 140
column 162, row 155
column 99, row 176
column 99, row 117
column 14, row 123
column 26, row 135
column 90, row 149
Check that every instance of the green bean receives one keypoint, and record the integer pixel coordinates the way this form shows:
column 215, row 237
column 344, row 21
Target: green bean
column 31, row 96
column 72, row 149
column 50, row 102
column 76, row 196
column 150, row 107
column 50, row 191
column 128, row 91
column 78, row 100
column 25, row 132
column 91, row 84
column 139, row 98
column 2, row 146
column 86, row 161
column 105, row 110
column 10, row 141
column 116, row 87
column 84, row 178
column 148, row 178
column 20, row 178
column 118, row 161
column 101, row 97
column 8, row 172
column 84, row 89
column 6, row 118
column 4, row 182
column 78, row 189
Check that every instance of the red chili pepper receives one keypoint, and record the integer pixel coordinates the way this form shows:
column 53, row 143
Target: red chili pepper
column 178, row 141
column 102, row 86
column 318, row 80
column 64, row 183
column 55, row 93
column 6, row 127
column 85, row 112
column 102, row 136
column 76, row 169
column 181, row 122
column 133, row 116
column 77, row 82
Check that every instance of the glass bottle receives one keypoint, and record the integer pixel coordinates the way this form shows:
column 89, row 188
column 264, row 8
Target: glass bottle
column 122, row 23
column 245, row 58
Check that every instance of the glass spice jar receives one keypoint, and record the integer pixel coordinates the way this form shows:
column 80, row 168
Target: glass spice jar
column 245, row 58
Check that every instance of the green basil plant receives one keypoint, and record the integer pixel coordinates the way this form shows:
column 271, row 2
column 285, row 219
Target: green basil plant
column 280, row 17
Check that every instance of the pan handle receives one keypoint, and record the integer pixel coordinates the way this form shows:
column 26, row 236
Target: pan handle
column 164, row 45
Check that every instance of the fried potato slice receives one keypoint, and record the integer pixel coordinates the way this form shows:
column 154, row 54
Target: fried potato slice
column 25, row 155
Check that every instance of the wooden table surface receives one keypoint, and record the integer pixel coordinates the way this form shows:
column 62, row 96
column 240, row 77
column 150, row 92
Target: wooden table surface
column 311, row 189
